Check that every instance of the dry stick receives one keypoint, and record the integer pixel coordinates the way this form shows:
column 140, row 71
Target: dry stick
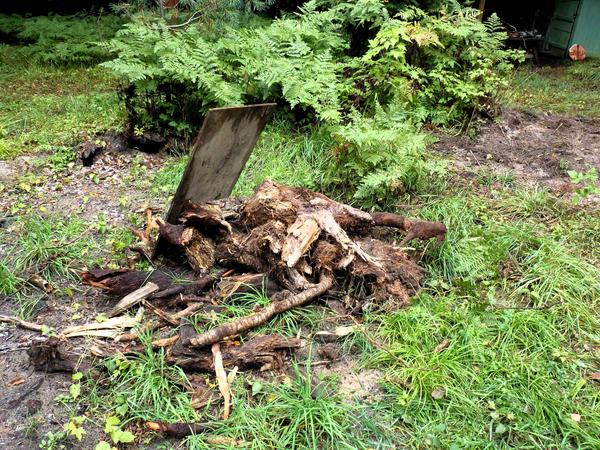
column 23, row 324
column 255, row 320
column 221, row 378
column 151, row 326
column 160, row 313
column 165, row 342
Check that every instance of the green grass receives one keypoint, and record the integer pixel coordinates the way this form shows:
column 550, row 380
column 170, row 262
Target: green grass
column 50, row 106
column 55, row 249
column 282, row 153
column 298, row 413
column 516, row 365
column 142, row 387
column 572, row 89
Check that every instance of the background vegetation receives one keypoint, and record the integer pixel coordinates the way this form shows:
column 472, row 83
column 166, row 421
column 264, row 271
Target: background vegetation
column 499, row 350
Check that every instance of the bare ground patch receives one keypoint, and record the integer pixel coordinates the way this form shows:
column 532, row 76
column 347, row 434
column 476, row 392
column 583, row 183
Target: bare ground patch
column 537, row 149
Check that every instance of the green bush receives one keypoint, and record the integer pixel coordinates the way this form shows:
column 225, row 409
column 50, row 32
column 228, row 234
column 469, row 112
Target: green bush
column 419, row 66
column 59, row 39
column 442, row 64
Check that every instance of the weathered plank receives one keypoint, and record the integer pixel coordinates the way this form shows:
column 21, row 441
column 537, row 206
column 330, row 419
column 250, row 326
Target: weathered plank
column 220, row 152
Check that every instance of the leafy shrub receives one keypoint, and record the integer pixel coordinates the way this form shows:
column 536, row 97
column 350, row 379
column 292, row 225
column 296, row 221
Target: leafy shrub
column 437, row 66
column 61, row 40
column 442, row 64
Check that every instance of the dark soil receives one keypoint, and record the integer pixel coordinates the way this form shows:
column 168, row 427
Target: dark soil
column 537, row 149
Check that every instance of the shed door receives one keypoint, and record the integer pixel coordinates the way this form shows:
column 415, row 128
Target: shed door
column 560, row 28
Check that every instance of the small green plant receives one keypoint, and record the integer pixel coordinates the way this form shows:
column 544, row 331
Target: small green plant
column 32, row 426
column 586, row 184
column 74, row 427
column 62, row 158
column 75, row 388
column 54, row 440
column 112, row 427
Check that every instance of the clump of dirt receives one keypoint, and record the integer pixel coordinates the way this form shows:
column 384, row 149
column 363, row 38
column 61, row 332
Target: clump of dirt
column 537, row 149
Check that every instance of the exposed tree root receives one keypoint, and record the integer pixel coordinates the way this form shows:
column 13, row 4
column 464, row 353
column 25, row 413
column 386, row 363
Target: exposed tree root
column 261, row 317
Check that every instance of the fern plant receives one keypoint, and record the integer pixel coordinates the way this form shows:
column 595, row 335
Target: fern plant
column 442, row 64
column 294, row 59
column 382, row 157
column 58, row 39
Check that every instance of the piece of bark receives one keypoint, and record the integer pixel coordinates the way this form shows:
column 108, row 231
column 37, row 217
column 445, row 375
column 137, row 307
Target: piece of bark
column 32, row 387
column 258, row 352
column 133, row 298
column 415, row 229
column 265, row 314
column 120, row 282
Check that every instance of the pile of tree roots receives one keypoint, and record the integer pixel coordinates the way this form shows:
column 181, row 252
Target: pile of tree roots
column 291, row 244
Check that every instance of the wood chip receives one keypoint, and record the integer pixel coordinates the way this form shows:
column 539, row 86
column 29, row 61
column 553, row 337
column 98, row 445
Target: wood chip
column 134, row 298
column 16, row 381
column 110, row 328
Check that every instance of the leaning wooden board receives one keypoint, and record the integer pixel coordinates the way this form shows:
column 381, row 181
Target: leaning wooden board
column 220, row 152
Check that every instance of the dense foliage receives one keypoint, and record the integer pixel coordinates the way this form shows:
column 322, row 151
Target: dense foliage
column 415, row 66
column 60, row 39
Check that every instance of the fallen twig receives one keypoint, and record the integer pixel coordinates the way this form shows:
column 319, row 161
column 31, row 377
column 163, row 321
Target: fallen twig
column 24, row 324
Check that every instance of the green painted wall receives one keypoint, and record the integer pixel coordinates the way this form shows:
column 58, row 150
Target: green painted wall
column 587, row 27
